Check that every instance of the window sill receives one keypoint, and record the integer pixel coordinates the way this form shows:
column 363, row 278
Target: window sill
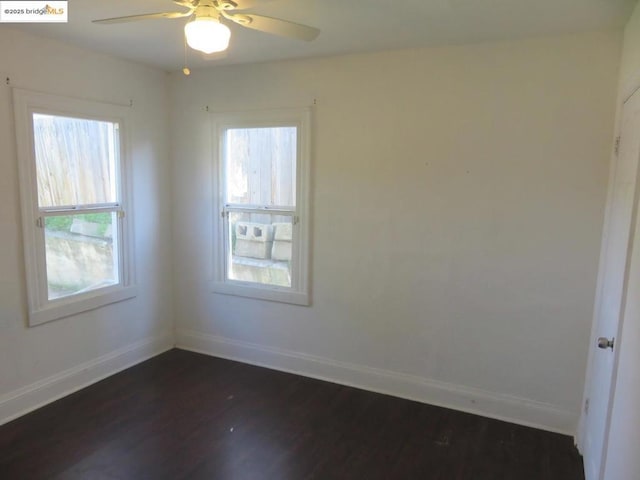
column 261, row 293
column 78, row 304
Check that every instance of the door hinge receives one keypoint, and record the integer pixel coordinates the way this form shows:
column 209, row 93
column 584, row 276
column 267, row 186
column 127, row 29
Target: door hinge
column 616, row 147
column 586, row 407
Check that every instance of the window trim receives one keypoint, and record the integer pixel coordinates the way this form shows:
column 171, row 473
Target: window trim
column 299, row 292
column 40, row 308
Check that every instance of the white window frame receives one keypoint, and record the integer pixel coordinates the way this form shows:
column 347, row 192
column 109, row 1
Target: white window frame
column 41, row 309
column 298, row 293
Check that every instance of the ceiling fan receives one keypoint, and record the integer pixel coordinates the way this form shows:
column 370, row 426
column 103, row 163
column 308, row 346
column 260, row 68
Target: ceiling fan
column 206, row 33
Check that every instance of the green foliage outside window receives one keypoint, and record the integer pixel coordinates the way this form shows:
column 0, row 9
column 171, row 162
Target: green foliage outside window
column 63, row 223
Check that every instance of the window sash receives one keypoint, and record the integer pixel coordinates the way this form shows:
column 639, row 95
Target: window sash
column 114, row 148
column 72, row 209
column 226, row 161
column 229, row 254
column 281, row 210
column 80, row 209
column 259, row 209
column 117, row 245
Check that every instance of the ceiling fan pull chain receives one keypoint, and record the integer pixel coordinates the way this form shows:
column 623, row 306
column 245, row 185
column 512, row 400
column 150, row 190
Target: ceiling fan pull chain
column 185, row 69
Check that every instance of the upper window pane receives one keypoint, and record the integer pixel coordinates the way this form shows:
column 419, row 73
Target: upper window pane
column 75, row 160
column 261, row 166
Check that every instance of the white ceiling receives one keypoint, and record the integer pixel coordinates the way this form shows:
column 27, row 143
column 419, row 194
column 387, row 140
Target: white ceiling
column 347, row 26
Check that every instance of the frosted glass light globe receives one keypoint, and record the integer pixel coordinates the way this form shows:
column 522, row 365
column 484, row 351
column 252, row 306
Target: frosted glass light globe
column 207, row 35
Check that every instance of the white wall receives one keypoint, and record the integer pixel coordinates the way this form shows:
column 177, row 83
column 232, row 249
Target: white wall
column 38, row 364
column 457, row 209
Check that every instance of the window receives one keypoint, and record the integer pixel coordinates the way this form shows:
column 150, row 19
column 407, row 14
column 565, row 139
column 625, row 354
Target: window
column 73, row 204
column 261, row 229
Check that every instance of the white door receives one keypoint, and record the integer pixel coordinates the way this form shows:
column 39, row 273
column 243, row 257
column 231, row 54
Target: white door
column 622, row 461
column 613, row 283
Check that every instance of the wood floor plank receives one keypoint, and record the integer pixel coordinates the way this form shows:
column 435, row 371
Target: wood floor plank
column 183, row 415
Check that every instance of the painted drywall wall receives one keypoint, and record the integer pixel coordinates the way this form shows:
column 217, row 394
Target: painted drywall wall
column 458, row 197
column 38, row 364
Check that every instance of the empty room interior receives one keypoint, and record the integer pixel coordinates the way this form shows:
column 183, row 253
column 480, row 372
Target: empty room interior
column 279, row 239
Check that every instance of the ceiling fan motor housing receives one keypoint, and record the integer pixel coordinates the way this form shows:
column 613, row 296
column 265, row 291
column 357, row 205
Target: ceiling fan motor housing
column 206, row 11
column 225, row 4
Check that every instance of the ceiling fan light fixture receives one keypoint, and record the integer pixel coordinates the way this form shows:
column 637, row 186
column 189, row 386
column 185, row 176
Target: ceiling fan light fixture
column 207, row 34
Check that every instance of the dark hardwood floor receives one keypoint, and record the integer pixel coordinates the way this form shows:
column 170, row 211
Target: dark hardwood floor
column 182, row 415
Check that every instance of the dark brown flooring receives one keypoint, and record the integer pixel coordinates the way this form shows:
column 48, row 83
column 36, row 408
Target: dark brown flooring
column 183, row 415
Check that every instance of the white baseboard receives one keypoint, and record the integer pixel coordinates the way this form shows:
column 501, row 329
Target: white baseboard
column 458, row 397
column 26, row 399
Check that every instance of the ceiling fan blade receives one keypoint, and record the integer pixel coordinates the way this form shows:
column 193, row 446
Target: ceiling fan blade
column 145, row 16
column 275, row 26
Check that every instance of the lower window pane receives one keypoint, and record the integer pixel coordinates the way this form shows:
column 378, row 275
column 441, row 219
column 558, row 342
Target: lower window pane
column 261, row 246
column 80, row 253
